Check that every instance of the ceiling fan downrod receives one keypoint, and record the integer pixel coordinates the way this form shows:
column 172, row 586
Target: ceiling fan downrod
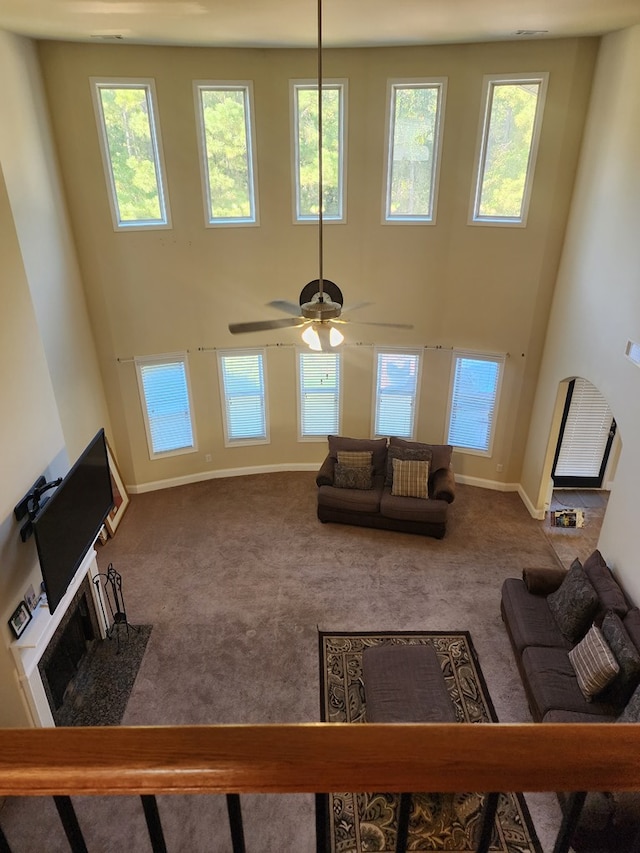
column 320, row 187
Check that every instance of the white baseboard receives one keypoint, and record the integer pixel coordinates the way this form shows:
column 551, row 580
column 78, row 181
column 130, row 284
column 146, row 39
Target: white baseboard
column 481, row 483
column 156, row 485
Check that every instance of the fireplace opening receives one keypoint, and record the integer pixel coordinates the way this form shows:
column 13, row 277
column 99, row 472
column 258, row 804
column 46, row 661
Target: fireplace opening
column 68, row 653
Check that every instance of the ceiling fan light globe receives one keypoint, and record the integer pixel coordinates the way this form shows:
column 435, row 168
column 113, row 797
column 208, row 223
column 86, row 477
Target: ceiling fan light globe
column 312, row 339
column 335, row 337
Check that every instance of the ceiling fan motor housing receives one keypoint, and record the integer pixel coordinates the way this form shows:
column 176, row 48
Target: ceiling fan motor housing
column 325, row 306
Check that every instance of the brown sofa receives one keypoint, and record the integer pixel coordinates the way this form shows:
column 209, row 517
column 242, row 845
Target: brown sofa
column 609, row 821
column 377, row 506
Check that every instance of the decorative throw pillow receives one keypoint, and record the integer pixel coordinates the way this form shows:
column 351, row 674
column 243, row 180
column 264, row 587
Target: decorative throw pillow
column 574, row 603
column 355, row 458
column 631, row 713
column 346, row 477
column 628, row 657
column 410, row 478
column 594, row 663
column 440, row 453
column 377, row 446
column 419, row 454
column 609, row 592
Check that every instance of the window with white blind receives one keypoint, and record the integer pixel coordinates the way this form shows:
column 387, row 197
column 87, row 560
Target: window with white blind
column 165, row 394
column 227, row 152
column 242, row 388
column 473, row 402
column 131, row 152
column 413, row 149
column 318, row 395
column 585, row 435
column 396, row 392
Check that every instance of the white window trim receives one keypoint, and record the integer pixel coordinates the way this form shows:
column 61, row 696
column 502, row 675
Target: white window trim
column 374, row 398
column 483, row 130
column 245, row 86
column 316, row 438
column 165, row 358
column 341, row 83
column 416, row 83
column 243, row 442
column 500, row 358
column 148, row 83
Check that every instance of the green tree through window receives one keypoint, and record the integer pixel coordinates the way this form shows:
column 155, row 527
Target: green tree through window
column 307, row 148
column 510, row 131
column 132, row 153
column 229, row 173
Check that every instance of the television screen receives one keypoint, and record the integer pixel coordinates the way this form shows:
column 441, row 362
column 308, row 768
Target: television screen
column 70, row 521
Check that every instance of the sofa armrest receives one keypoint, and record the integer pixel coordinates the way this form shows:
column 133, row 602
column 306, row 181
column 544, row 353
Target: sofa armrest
column 543, row 581
column 443, row 485
column 324, row 477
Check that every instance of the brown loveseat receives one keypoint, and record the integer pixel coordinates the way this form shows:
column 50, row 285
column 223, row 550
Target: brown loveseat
column 371, row 503
column 542, row 636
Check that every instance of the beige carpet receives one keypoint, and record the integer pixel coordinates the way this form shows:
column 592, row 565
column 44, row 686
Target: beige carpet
column 237, row 576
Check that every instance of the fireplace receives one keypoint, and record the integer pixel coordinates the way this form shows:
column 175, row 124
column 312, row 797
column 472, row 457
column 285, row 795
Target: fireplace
column 69, row 648
column 48, row 654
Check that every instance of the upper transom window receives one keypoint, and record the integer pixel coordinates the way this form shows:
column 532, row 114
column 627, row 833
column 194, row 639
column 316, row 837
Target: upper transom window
column 415, row 115
column 513, row 108
column 131, row 153
column 306, row 161
column 227, row 152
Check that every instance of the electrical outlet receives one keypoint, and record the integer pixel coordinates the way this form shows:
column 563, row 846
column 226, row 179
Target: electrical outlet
column 499, row 467
column 207, row 457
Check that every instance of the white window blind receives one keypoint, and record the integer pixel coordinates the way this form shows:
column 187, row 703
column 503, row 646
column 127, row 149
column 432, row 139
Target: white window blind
column 396, row 392
column 319, row 393
column 164, row 391
column 474, row 401
column 586, row 433
column 243, row 396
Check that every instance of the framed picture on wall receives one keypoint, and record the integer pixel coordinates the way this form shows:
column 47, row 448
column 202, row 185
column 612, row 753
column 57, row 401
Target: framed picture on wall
column 120, row 496
column 20, row 618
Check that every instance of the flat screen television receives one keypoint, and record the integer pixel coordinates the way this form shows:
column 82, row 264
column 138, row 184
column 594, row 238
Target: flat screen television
column 70, row 520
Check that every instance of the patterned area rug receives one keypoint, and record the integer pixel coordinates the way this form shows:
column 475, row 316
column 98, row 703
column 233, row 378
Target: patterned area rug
column 359, row 823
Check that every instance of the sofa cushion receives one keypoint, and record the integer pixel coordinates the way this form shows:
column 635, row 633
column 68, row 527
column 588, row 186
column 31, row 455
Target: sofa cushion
column 355, row 458
column 377, row 446
column 542, row 581
column 410, row 478
column 346, row 477
column 631, row 713
column 631, row 624
column 628, row 657
column 529, row 618
column 556, row 716
column 421, row 454
column 610, row 595
column 440, row 453
column 594, row 663
column 412, row 509
column 574, row 603
column 352, row 500
column 553, row 684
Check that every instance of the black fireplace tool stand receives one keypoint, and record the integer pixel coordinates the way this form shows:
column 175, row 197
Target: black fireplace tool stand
column 111, row 582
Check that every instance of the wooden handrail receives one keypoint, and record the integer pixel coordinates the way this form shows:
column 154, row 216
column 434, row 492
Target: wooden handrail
column 319, row 757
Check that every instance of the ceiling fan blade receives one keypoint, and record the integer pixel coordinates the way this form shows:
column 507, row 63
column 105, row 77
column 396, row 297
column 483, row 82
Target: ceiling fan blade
column 366, row 323
column 264, row 325
column 356, row 307
column 287, row 307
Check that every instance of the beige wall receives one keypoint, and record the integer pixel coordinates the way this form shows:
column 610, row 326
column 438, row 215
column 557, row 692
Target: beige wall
column 471, row 287
column 52, row 398
column 597, row 304
column 30, row 438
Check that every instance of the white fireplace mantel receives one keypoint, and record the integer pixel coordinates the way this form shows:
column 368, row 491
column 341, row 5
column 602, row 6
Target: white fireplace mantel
column 29, row 647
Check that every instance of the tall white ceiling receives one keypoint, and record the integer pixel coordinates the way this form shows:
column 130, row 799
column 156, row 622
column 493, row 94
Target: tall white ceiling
column 292, row 23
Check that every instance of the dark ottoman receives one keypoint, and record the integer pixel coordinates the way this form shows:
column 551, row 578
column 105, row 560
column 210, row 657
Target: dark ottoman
column 404, row 684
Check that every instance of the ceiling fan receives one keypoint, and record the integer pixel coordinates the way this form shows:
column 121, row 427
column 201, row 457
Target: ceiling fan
column 321, row 300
